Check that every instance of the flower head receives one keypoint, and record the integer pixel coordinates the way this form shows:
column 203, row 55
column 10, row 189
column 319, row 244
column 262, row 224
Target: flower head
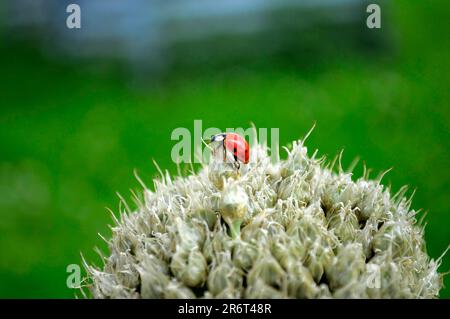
column 289, row 229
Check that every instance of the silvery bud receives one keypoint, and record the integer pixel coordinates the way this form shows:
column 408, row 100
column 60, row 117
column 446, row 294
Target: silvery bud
column 224, row 277
column 244, row 254
column 175, row 290
column 189, row 266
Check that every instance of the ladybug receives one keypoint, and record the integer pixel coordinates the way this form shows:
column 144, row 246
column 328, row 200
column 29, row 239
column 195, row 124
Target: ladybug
column 233, row 143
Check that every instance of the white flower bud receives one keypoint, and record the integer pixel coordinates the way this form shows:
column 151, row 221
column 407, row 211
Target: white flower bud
column 234, row 207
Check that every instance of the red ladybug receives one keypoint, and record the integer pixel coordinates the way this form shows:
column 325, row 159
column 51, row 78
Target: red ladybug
column 235, row 144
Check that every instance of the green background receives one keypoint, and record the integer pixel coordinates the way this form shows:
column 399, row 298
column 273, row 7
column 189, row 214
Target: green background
column 71, row 137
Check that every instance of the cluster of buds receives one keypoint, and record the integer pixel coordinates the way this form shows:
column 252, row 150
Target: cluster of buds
column 291, row 229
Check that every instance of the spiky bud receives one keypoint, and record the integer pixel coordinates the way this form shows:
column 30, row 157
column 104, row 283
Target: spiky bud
column 272, row 230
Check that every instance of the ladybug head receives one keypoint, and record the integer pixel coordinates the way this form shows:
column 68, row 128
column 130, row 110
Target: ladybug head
column 217, row 138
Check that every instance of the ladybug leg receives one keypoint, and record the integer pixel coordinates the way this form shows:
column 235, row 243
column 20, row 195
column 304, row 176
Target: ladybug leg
column 236, row 162
column 224, row 152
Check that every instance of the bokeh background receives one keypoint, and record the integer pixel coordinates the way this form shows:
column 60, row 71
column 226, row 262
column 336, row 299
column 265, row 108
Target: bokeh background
column 81, row 109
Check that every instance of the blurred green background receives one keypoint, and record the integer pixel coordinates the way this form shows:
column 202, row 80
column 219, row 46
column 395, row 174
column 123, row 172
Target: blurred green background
column 72, row 131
